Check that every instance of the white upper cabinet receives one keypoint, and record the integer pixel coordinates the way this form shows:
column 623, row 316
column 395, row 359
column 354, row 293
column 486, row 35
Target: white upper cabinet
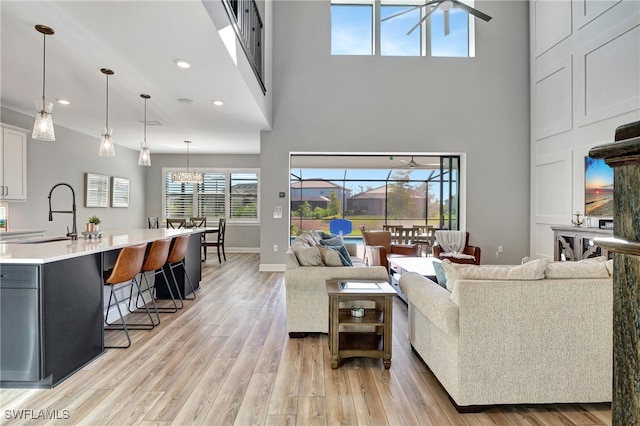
column 13, row 164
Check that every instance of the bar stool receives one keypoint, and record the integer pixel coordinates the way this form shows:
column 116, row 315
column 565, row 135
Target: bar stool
column 176, row 259
column 152, row 266
column 126, row 269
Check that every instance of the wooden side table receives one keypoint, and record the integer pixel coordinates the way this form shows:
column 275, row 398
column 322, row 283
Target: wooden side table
column 366, row 336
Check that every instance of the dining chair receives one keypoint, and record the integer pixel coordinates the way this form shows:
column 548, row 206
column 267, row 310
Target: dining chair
column 219, row 242
column 153, row 222
column 198, row 222
column 176, row 223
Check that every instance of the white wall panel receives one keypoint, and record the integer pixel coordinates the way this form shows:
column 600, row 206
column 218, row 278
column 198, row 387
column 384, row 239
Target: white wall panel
column 586, row 11
column 554, row 101
column 553, row 24
column 609, row 71
column 553, row 187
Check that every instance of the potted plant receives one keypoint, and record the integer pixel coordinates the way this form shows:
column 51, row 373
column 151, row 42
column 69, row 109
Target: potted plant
column 94, row 222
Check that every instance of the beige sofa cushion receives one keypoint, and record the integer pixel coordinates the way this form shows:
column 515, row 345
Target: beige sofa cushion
column 330, row 257
column 307, row 256
column 533, row 270
column 587, row 268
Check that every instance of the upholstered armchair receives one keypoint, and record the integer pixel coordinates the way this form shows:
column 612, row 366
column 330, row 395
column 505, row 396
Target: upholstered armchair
column 467, row 254
column 379, row 249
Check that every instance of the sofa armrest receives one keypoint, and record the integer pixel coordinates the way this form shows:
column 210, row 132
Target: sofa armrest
column 432, row 300
column 377, row 256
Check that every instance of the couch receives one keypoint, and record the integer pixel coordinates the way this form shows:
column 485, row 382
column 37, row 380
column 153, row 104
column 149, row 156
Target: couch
column 535, row 333
column 308, row 265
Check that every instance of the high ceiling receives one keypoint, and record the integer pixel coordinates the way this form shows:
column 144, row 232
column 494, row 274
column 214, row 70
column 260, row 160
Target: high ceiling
column 139, row 41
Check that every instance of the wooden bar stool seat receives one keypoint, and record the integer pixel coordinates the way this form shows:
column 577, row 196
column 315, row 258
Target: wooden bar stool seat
column 152, row 266
column 125, row 270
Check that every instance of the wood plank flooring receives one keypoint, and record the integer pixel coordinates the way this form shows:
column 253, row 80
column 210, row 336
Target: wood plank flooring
column 227, row 359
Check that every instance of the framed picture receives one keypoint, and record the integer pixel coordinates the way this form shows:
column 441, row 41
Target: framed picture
column 598, row 188
column 605, row 224
column 119, row 192
column 96, row 190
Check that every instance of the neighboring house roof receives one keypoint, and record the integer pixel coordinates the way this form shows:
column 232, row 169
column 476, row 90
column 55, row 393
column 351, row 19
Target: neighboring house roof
column 317, row 198
column 380, row 192
column 245, row 188
column 307, row 184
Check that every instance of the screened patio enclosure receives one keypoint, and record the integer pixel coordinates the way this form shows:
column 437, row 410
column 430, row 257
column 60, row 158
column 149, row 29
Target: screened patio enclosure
column 374, row 190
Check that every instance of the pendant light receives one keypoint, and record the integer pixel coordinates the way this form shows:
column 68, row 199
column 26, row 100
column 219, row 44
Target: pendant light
column 145, row 155
column 43, row 125
column 187, row 176
column 106, row 144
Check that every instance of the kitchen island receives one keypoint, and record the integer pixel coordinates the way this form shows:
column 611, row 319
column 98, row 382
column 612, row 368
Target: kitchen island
column 51, row 291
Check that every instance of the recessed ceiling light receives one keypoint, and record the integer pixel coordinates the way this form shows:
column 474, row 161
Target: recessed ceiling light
column 182, row 63
column 218, row 103
column 63, row 101
column 185, row 101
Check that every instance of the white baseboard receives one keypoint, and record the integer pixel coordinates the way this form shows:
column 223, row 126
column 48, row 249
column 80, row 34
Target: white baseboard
column 271, row 267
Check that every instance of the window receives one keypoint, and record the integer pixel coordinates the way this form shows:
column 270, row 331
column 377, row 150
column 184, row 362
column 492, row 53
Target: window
column 358, row 28
column 351, row 29
column 224, row 193
column 402, row 193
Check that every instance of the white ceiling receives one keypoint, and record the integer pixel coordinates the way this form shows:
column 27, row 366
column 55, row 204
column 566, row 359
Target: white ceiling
column 139, row 41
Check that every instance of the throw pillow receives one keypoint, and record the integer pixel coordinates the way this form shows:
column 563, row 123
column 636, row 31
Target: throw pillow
column 307, row 256
column 344, row 254
column 330, row 257
column 333, row 241
column 441, row 276
column 587, row 268
column 337, row 244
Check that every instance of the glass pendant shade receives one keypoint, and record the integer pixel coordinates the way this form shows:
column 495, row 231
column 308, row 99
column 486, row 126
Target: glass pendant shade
column 145, row 157
column 107, row 149
column 43, row 125
column 106, row 145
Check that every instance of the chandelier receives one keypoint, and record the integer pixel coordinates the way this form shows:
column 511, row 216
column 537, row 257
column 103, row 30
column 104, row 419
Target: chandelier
column 187, row 176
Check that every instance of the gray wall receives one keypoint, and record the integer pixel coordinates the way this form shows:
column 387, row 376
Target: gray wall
column 477, row 106
column 66, row 160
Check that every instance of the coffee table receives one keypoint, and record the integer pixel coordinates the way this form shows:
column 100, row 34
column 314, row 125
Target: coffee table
column 402, row 264
column 368, row 335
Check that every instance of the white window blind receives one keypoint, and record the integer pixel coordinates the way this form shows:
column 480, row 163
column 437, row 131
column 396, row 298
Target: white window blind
column 224, row 193
column 211, row 195
column 178, row 198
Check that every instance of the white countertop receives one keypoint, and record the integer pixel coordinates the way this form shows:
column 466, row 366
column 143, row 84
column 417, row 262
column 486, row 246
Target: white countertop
column 17, row 252
column 18, row 231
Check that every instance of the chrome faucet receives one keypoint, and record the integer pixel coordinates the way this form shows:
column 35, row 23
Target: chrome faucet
column 74, row 232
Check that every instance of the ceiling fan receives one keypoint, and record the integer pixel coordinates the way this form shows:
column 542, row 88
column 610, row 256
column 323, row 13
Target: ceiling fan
column 411, row 164
column 445, row 6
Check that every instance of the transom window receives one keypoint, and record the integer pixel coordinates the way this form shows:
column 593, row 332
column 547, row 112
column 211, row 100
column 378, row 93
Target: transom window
column 232, row 194
column 358, row 27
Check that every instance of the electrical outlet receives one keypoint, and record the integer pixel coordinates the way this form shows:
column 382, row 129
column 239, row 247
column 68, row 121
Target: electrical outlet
column 500, row 249
column 275, row 247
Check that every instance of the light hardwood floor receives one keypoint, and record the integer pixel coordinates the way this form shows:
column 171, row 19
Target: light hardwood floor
column 227, row 359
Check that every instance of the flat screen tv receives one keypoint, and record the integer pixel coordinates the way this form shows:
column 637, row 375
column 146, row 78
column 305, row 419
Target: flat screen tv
column 598, row 188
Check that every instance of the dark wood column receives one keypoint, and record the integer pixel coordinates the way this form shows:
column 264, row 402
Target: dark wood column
column 624, row 156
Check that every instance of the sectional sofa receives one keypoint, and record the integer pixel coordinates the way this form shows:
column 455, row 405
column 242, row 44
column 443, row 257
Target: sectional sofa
column 535, row 333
